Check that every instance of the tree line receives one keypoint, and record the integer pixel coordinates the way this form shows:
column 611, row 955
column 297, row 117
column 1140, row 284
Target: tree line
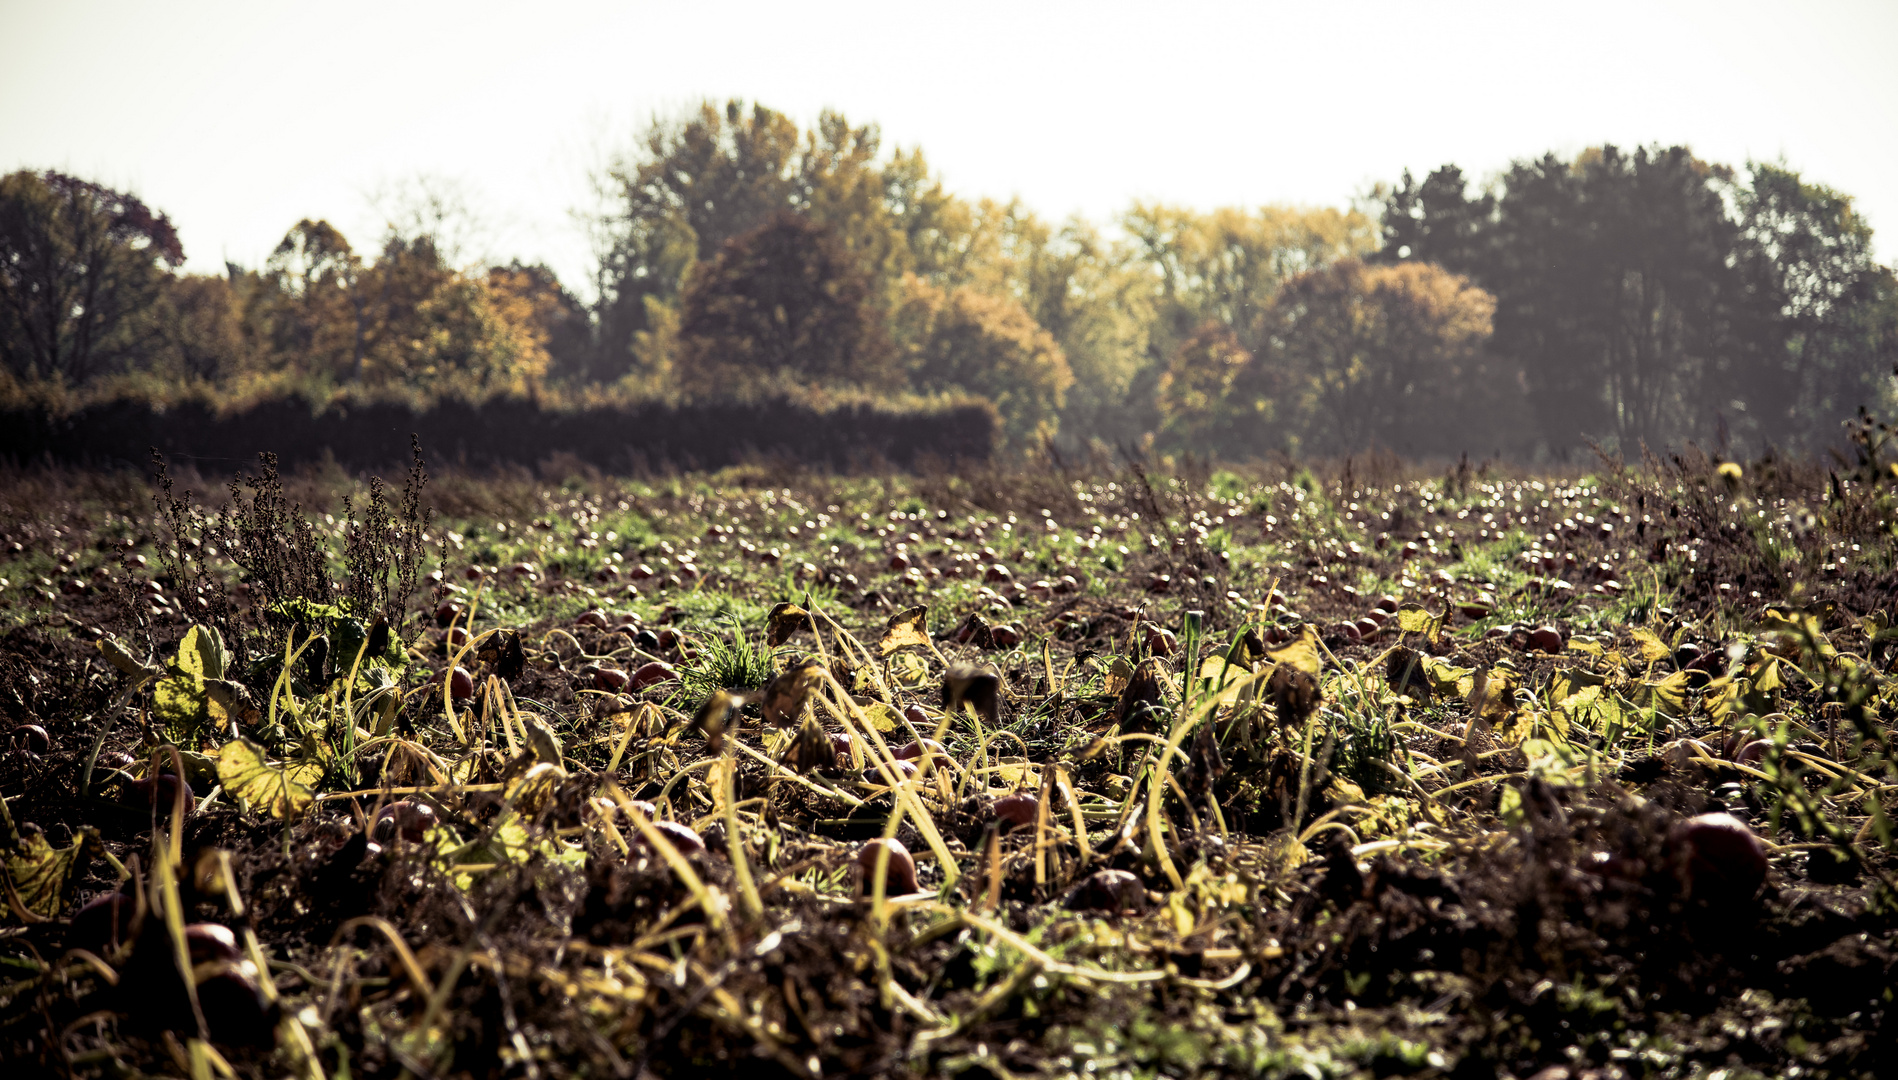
column 1620, row 298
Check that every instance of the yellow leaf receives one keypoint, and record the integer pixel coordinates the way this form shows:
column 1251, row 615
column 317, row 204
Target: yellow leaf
column 1413, row 619
column 1018, row 775
column 1668, row 696
column 1301, row 652
column 1651, row 645
column 1567, row 682
column 882, row 717
column 1446, row 679
column 282, row 791
column 1225, row 679
column 201, row 653
column 38, row 874
column 908, row 670
column 906, row 628
column 181, row 705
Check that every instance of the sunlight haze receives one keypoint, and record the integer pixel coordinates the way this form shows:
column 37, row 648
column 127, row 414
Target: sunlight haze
column 238, row 120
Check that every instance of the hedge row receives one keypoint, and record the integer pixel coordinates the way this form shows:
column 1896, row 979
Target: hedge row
column 636, row 438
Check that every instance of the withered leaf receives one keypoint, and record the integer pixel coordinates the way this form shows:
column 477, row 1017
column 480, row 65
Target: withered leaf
column 1492, row 694
column 1404, row 670
column 716, row 714
column 786, row 693
column 905, row 628
column 511, row 663
column 1250, row 648
column 1301, row 652
column 1146, row 691
column 811, row 749
column 975, row 630
column 1295, row 694
column 785, row 620
column 1205, row 764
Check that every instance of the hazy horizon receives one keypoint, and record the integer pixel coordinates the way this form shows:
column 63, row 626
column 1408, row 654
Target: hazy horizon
column 237, row 121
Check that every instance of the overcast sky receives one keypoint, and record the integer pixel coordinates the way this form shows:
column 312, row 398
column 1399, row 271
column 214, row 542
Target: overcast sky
column 238, row 119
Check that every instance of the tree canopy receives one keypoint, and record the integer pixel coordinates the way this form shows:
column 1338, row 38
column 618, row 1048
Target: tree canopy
column 1620, row 298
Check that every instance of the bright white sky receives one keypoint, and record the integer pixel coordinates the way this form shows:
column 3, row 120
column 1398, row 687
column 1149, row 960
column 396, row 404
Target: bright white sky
column 238, row 119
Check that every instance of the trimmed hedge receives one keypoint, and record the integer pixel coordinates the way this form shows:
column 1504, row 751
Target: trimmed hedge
column 618, row 439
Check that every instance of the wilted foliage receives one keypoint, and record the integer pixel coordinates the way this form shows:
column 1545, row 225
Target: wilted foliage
column 1140, row 768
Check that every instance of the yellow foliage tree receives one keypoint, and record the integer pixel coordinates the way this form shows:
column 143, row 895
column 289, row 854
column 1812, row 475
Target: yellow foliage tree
column 1387, row 355
column 986, row 345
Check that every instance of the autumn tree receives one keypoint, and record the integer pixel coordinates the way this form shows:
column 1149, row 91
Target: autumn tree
column 1203, row 272
column 1203, row 398
column 404, row 321
column 532, row 297
column 1087, row 292
column 783, row 306
column 987, row 345
column 81, row 268
column 1388, row 356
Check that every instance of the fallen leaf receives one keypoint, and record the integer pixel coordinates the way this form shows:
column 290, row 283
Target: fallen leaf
column 906, row 628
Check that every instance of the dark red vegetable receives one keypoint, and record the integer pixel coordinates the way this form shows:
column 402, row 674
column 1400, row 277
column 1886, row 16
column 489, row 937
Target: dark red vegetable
column 904, row 771
column 653, row 674
column 840, row 745
column 1109, row 890
column 161, row 793
column 1722, row 856
column 103, row 924
column 405, row 818
column 914, row 751
column 210, row 942
column 1018, row 809
column 32, row 739
column 901, row 874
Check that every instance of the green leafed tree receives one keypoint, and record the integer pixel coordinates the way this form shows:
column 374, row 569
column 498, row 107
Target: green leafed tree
column 698, row 181
column 1652, row 298
column 1825, row 310
column 82, row 268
